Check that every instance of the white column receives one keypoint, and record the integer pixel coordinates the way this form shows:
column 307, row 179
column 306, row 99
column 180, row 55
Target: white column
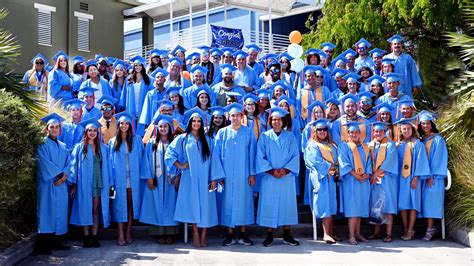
column 270, row 32
column 225, row 13
column 171, row 24
column 207, row 23
column 190, row 24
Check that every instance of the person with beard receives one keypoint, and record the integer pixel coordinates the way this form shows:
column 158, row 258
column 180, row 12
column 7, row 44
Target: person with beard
column 227, row 55
column 362, row 48
column 226, row 85
column 253, row 50
column 273, row 72
column 213, row 70
column 328, row 50
column 102, row 65
column 78, row 73
column 245, row 76
column 153, row 97
column 109, row 127
column 377, row 55
column 366, row 105
column 338, row 76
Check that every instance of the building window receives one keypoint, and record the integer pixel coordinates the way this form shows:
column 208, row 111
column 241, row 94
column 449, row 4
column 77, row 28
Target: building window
column 83, row 31
column 45, row 24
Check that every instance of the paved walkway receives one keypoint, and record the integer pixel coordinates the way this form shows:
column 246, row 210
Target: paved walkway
column 147, row 252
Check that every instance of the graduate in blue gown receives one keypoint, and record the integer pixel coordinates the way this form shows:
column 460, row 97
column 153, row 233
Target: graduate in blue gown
column 413, row 166
column 277, row 159
column 52, row 173
column 226, row 85
column 119, row 80
column 190, row 152
column 253, row 50
column 59, row 81
column 393, row 97
column 72, row 132
column 244, row 75
column 432, row 189
column 153, row 98
column 91, row 181
column 125, row 153
column 94, row 80
column 175, row 77
column 233, row 160
column 321, row 161
column 198, row 75
column 355, row 169
column 89, row 111
column 383, row 152
column 159, row 195
column 313, row 91
column 36, row 78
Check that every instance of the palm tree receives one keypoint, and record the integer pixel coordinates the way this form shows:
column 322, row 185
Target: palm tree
column 11, row 82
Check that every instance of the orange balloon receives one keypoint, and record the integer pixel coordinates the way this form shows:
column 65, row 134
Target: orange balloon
column 295, row 37
column 186, row 75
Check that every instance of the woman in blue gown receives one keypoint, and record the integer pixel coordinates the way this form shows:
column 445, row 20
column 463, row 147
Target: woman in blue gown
column 159, row 195
column 59, row 81
column 321, row 161
column 432, row 189
column 355, row 170
column 91, row 179
column 125, row 151
column 52, row 193
column 190, row 152
column 413, row 165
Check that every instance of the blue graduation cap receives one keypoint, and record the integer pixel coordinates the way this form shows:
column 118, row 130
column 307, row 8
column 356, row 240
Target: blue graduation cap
column 269, row 57
column 376, row 79
column 409, row 102
column 366, row 95
column 100, row 57
column 232, row 94
column 277, row 112
column 349, row 98
column 263, row 93
column 379, row 125
column 193, row 112
column 155, row 52
column 201, row 90
column 253, row 48
column 204, row 48
column 321, row 123
column 91, row 62
column 78, row 59
column 216, row 52
column 60, row 54
column 286, row 56
column 160, row 71
column 393, row 77
column 387, row 61
column 349, row 53
column 175, row 60
column 396, row 38
column 227, row 51
column 137, row 60
column 87, row 91
column 159, row 119
column 278, row 84
column 377, row 52
column 240, row 54
column 73, row 103
column 319, row 70
column 226, row 68
column 362, row 43
column 285, row 99
column 119, row 63
column 405, row 121
column 426, row 116
column 339, row 72
column 173, row 90
column 106, row 100
column 309, row 69
column 112, row 60
column 234, row 108
column 198, row 69
column 166, row 103
column 332, row 100
column 193, row 55
column 250, row 98
column 177, row 48
column 384, row 107
column 312, row 51
column 353, row 126
column 90, row 123
column 53, row 118
column 340, row 60
column 217, row 110
column 314, row 104
column 49, row 68
column 124, row 117
column 322, row 55
column 164, row 53
column 273, row 63
column 352, row 77
column 328, row 46
column 39, row 56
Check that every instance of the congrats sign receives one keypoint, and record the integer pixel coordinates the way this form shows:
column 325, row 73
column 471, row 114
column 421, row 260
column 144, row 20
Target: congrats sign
column 227, row 37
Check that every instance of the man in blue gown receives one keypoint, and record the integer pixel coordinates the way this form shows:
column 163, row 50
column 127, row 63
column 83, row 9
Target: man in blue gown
column 72, row 132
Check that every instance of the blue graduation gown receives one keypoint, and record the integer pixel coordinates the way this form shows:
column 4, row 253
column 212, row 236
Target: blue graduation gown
column 151, row 104
column 277, row 200
column 246, row 77
column 406, row 66
column 324, row 195
column 190, row 99
column 257, row 68
column 127, row 101
column 82, row 176
column 393, row 101
column 77, row 80
column 104, row 89
column 355, row 194
column 194, row 203
column 308, row 185
column 335, row 130
column 432, row 199
column 219, row 91
column 326, row 94
column 233, row 159
column 184, row 83
column 52, row 202
column 389, row 182
column 93, row 113
column 71, row 134
column 408, row 198
column 116, row 90
column 117, row 161
column 56, row 79
column 39, row 77
column 158, row 205
column 359, row 62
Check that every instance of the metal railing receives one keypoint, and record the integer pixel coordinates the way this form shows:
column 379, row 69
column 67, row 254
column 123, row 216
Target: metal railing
column 191, row 38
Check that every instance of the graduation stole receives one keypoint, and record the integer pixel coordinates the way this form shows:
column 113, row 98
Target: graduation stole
column 428, row 146
column 326, row 152
column 256, row 125
column 362, row 127
column 32, row 78
column 305, row 100
column 381, row 155
column 408, row 158
column 359, row 167
column 149, row 132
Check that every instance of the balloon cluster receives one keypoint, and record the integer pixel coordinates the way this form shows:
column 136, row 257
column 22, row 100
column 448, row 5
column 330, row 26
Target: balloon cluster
column 296, row 51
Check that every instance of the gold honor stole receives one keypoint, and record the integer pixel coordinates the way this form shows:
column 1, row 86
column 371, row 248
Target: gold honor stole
column 256, row 125
column 362, row 127
column 149, row 132
column 326, row 152
column 408, row 158
column 305, row 100
column 359, row 167
column 380, row 156
column 428, row 146
column 32, row 79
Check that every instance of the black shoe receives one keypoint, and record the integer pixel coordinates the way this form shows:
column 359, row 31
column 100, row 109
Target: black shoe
column 229, row 241
column 42, row 245
column 56, row 245
column 268, row 242
column 289, row 240
column 94, row 242
column 244, row 240
column 87, row 242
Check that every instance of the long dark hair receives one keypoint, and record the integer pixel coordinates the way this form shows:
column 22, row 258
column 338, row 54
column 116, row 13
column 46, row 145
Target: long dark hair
column 158, row 137
column 133, row 76
column 87, row 71
column 96, row 143
column 310, row 55
column 213, row 128
column 434, row 129
column 288, row 67
column 205, row 152
column 208, row 105
column 152, row 66
column 115, row 82
column 371, row 73
column 56, row 66
column 283, row 119
column 128, row 138
column 288, row 122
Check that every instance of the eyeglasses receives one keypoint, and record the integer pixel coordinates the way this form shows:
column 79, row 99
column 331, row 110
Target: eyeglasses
column 110, row 108
column 103, row 63
column 319, row 77
column 328, row 52
column 275, row 70
column 39, row 63
column 367, row 102
column 322, row 129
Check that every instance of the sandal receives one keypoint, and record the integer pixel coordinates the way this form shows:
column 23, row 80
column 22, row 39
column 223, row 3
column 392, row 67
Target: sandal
column 375, row 236
column 353, row 241
column 430, row 232
column 362, row 239
column 409, row 236
column 338, row 239
column 196, row 241
column 388, row 239
column 329, row 240
column 204, row 240
column 121, row 243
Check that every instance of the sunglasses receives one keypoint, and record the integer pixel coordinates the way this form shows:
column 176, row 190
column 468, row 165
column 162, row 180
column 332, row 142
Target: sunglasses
column 275, row 70
column 322, row 129
column 328, row 52
column 107, row 108
column 39, row 63
column 319, row 77
column 103, row 64
column 367, row 102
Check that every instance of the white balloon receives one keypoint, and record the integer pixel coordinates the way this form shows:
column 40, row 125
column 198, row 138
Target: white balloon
column 295, row 50
column 297, row 64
